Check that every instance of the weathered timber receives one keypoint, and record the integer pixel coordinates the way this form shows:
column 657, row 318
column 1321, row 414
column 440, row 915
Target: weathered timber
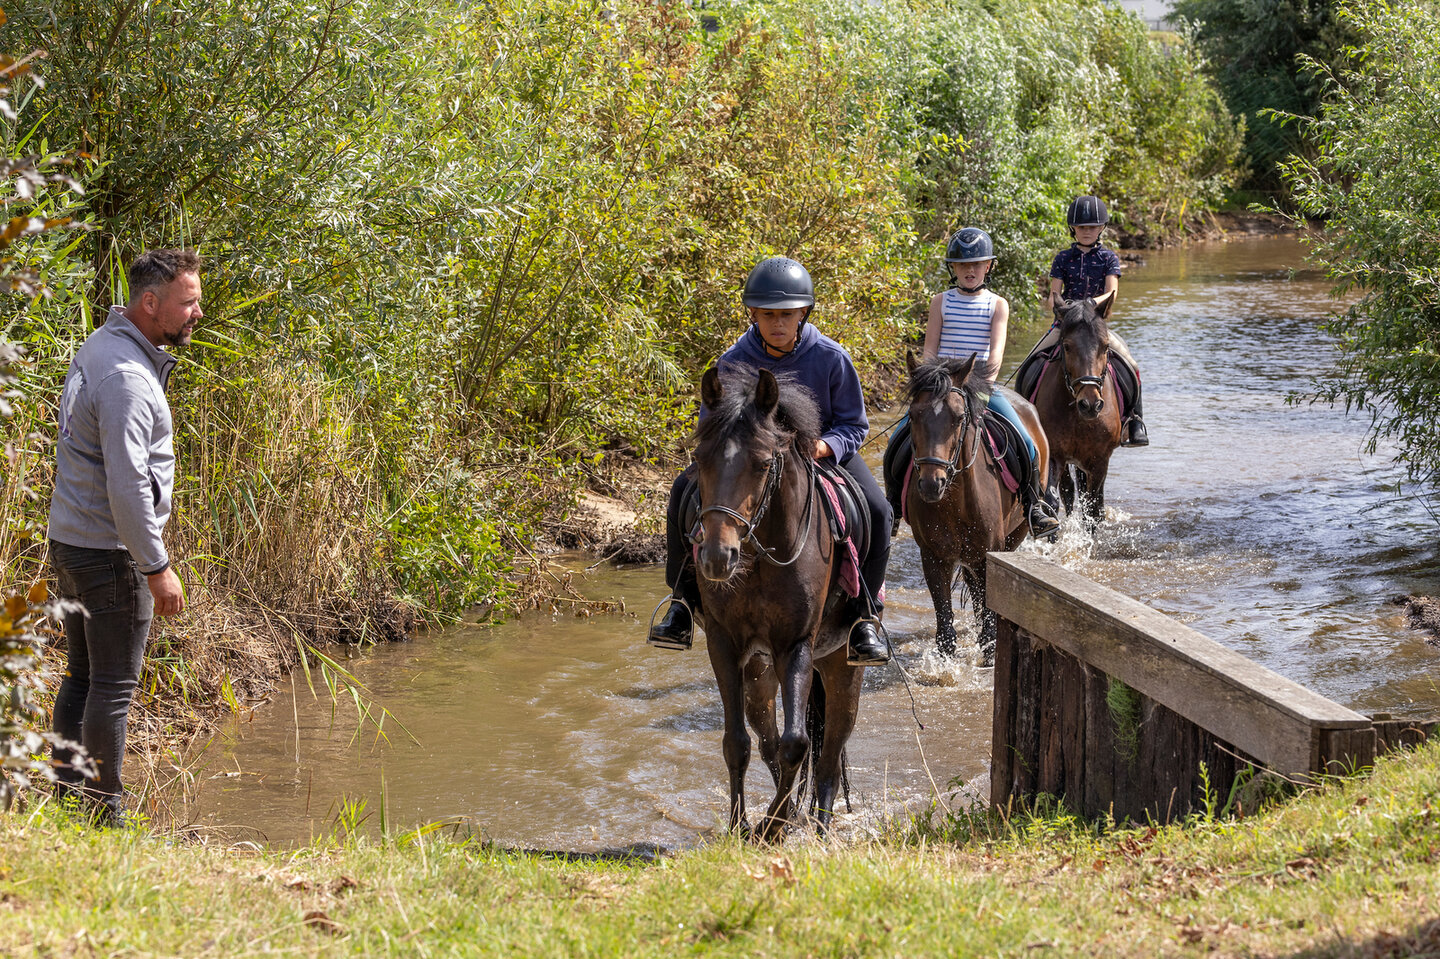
column 1064, row 642
column 1391, row 734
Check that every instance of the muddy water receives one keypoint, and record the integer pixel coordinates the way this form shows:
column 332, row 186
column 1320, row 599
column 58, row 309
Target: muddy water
column 1262, row 524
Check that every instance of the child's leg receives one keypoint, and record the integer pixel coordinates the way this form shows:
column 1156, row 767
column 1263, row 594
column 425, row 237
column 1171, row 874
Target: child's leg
column 1038, row 512
column 1135, row 432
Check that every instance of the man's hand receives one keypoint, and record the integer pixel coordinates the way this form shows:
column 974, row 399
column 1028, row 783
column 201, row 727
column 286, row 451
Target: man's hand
column 822, row 450
column 165, row 587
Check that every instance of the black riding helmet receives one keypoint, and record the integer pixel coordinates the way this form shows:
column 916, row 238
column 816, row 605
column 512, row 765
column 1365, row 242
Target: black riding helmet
column 779, row 283
column 1087, row 211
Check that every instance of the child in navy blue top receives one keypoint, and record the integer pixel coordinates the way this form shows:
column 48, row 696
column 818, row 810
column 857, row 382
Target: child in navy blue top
column 1088, row 270
column 780, row 295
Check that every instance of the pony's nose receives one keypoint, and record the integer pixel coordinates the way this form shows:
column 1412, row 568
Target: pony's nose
column 931, row 488
column 1089, row 409
column 718, row 562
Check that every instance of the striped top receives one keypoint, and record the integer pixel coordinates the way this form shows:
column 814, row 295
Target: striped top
column 965, row 324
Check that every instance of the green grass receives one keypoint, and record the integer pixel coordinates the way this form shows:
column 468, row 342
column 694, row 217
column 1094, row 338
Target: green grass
column 1352, row 869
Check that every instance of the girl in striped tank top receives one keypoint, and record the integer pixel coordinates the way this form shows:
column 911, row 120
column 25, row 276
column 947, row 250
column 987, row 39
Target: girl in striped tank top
column 969, row 318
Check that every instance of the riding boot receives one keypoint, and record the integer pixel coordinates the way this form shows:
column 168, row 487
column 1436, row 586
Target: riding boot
column 868, row 645
column 1044, row 524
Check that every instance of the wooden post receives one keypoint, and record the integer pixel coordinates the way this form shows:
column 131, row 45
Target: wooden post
column 1063, row 644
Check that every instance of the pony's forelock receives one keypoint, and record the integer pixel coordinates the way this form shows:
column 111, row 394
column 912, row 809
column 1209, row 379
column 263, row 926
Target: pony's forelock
column 796, row 415
column 938, row 377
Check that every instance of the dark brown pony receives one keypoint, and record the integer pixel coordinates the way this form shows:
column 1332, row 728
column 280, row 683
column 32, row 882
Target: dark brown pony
column 1079, row 404
column 768, row 577
column 957, row 503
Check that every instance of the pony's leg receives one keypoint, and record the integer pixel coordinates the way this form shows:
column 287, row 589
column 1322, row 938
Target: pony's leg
column 795, row 677
column 984, row 618
column 842, row 705
column 736, row 741
column 761, row 684
column 1067, row 489
column 940, row 579
column 1095, row 492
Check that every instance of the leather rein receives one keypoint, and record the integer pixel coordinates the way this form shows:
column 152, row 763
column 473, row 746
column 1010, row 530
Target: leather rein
column 747, row 525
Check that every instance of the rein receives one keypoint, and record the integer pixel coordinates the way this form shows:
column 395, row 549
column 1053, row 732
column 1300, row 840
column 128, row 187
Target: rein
column 772, row 483
column 949, row 464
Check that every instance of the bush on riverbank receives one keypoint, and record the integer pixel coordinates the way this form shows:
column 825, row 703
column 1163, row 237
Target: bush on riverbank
column 1346, row 871
column 1374, row 178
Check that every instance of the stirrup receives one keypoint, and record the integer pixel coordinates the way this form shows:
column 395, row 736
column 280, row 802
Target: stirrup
column 850, row 659
column 670, row 643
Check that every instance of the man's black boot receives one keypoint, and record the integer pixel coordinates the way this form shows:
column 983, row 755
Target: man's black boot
column 676, row 630
column 867, row 644
column 1135, row 432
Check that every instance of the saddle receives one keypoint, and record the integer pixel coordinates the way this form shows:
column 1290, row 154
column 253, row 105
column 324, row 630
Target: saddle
column 841, row 502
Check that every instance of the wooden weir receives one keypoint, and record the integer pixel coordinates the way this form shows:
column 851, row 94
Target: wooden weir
column 1064, row 726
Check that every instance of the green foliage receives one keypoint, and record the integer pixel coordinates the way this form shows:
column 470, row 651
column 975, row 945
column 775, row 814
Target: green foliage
column 35, row 190
column 1124, row 705
column 1257, row 49
column 1374, row 176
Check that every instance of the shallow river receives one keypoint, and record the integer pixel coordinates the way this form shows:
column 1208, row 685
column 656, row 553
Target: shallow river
column 1264, row 525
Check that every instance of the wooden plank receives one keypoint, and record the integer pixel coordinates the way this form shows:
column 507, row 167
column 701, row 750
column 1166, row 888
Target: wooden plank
column 1393, row 734
column 1346, row 751
column 1002, row 761
column 1026, row 734
column 1100, row 759
column 1070, row 676
column 1259, row 711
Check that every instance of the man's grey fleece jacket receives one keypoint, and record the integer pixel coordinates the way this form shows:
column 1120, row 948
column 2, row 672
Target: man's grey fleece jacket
column 116, row 456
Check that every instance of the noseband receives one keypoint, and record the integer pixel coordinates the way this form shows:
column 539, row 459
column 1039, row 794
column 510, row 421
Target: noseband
column 949, row 464
column 747, row 526
column 1080, row 382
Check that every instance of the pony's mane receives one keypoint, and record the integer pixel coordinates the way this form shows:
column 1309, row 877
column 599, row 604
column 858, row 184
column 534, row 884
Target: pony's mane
column 939, row 376
column 797, row 414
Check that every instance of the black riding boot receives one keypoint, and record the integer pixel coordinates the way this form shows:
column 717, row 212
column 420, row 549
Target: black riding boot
column 1044, row 524
column 676, row 630
column 1135, row 432
column 868, row 646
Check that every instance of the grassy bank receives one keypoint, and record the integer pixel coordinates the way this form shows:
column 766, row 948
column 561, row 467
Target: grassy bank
column 1348, row 870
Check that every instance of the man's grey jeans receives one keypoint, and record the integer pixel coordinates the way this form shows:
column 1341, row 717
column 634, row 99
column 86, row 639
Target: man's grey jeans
column 106, row 645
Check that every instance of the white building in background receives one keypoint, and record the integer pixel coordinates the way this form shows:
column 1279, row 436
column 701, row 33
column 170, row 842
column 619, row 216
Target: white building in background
column 1153, row 12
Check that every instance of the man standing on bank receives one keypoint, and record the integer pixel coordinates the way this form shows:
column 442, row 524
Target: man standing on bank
column 115, row 469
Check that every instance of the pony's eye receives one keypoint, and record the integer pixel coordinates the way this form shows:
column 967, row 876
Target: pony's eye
column 763, row 466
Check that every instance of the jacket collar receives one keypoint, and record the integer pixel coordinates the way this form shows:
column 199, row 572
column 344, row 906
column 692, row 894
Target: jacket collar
column 118, row 324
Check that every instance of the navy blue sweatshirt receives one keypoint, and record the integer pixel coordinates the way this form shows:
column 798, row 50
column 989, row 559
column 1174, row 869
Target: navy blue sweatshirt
column 826, row 369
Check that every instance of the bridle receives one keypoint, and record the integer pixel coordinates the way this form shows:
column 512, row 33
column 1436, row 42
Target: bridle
column 949, row 464
column 747, row 525
column 1080, row 382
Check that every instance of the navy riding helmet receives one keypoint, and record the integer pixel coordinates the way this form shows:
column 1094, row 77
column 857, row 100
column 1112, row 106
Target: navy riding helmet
column 1087, row 211
column 779, row 283
column 969, row 245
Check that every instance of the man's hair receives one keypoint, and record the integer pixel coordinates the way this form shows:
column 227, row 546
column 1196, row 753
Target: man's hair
column 156, row 268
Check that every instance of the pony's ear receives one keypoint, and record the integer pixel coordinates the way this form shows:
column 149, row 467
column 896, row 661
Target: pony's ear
column 963, row 370
column 710, row 389
column 1103, row 303
column 767, row 393
column 910, row 361
column 1061, row 306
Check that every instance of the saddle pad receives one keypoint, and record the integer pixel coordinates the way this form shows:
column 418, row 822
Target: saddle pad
column 849, row 518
